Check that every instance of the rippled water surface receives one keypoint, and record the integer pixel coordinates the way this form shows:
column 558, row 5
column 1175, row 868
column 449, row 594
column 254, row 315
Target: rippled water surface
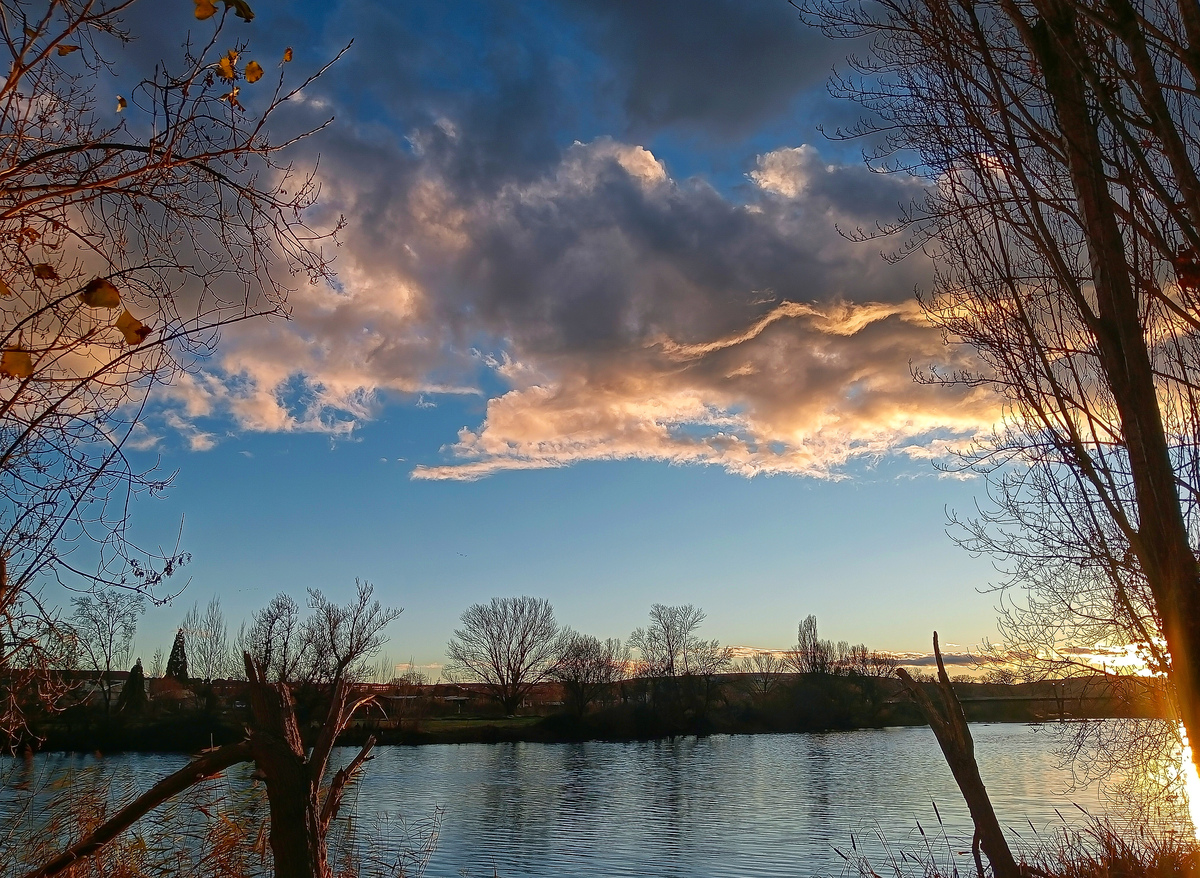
column 764, row 805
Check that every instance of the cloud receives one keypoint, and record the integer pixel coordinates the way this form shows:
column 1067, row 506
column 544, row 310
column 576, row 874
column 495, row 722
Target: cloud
column 721, row 67
column 626, row 313
column 197, row 439
column 950, row 657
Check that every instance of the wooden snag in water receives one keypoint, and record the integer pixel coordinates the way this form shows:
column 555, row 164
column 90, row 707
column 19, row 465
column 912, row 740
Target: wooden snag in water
column 949, row 725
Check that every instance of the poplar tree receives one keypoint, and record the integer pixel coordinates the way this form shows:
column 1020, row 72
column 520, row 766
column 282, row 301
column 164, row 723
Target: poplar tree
column 1060, row 142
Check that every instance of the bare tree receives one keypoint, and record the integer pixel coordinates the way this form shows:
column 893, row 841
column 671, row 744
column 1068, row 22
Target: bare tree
column 1063, row 213
column 665, row 645
column 275, row 639
column 587, row 668
column 342, row 640
column 762, row 672
column 683, row 667
column 509, row 645
column 158, row 664
column 412, row 679
column 208, row 641
column 103, row 626
column 811, row 654
column 881, row 665
column 134, row 229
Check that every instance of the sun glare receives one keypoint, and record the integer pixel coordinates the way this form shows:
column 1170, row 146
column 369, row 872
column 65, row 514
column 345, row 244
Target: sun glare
column 1191, row 782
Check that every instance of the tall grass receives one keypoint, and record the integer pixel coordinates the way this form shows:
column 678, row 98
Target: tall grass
column 216, row 828
column 1099, row 848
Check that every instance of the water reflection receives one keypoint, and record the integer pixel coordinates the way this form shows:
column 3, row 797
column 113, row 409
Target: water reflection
column 768, row 805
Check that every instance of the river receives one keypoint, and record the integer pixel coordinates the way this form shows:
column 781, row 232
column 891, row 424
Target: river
column 760, row 806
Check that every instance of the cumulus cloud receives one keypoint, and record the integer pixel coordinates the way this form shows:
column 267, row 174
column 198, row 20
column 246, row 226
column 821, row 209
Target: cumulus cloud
column 623, row 311
column 630, row 314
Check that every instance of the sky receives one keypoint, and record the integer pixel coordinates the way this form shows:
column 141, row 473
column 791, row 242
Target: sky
column 599, row 333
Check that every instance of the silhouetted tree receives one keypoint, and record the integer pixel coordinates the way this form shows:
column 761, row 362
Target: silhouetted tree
column 1060, row 143
column 762, row 672
column 158, row 664
column 509, row 645
column 811, row 654
column 208, row 638
column 177, row 663
column 103, row 626
column 664, row 646
column 683, row 669
column 133, row 693
column 275, row 639
column 587, row 668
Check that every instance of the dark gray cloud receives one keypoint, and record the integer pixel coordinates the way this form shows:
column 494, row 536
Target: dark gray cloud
column 598, row 258
column 722, row 67
column 631, row 314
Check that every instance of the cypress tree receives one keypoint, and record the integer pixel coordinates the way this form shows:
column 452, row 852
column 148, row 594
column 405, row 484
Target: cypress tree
column 133, row 693
column 177, row 668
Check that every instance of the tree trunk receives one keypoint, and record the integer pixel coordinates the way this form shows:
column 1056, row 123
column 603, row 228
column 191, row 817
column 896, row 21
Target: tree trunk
column 297, row 837
column 949, row 726
column 299, row 819
column 1161, row 541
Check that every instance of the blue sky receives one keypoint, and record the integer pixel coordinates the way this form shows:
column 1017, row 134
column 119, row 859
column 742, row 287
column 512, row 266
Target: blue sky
column 595, row 337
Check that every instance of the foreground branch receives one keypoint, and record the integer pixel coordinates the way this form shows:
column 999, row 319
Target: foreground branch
column 337, row 787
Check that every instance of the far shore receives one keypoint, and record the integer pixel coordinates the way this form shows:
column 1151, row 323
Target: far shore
column 187, row 726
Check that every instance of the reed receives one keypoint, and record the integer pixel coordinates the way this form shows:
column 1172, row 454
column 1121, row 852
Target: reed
column 217, row 827
column 1099, row 848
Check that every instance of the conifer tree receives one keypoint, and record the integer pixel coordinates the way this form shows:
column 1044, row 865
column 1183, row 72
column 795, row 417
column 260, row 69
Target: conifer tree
column 177, row 668
column 133, row 693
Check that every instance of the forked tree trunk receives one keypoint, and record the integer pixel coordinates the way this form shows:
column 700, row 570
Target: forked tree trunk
column 299, row 818
column 297, row 842
column 949, row 725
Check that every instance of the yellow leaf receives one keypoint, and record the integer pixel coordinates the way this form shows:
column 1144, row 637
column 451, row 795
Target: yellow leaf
column 99, row 293
column 43, row 271
column 254, row 72
column 31, row 33
column 121, row 105
column 232, row 97
column 287, row 54
column 134, row 330
column 5, row 289
column 227, row 66
column 240, row 8
column 205, row 9
column 66, row 49
column 16, row 363
column 30, row 233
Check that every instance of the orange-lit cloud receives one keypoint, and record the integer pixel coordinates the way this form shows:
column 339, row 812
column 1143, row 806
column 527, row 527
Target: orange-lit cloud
column 629, row 314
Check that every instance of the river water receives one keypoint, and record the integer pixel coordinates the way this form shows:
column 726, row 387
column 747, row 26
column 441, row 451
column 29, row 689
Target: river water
column 745, row 806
